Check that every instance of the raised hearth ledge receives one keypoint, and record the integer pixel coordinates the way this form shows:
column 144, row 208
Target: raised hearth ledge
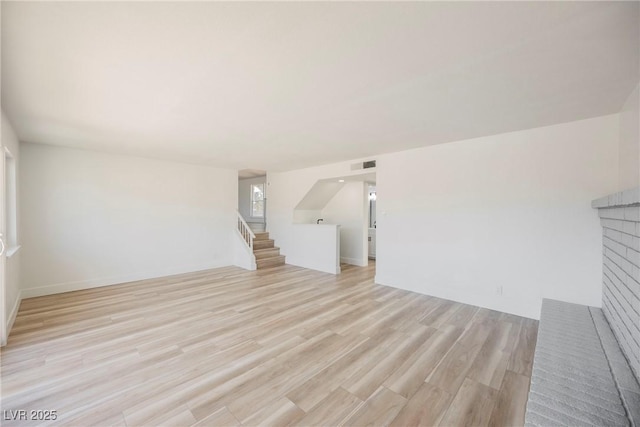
column 628, row 197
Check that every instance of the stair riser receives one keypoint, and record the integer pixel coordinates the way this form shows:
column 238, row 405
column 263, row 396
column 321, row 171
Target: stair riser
column 267, row 254
column 270, row 262
column 261, row 236
column 262, row 244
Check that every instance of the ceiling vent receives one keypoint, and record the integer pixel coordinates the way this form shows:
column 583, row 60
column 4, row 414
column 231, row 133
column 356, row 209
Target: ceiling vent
column 364, row 165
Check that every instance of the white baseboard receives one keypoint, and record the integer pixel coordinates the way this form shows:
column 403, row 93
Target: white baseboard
column 353, row 261
column 519, row 306
column 59, row 288
column 335, row 270
column 14, row 313
column 249, row 265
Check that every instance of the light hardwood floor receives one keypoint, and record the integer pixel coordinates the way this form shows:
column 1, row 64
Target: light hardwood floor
column 278, row 346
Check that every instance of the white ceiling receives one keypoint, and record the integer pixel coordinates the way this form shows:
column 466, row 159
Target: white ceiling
column 324, row 189
column 279, row 86
column 251, row 173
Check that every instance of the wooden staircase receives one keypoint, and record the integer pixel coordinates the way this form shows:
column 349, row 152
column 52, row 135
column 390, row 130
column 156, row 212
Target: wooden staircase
column 267, row 255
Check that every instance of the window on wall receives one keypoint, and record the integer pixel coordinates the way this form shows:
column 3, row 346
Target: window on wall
column 257, row 200
column 10, row 202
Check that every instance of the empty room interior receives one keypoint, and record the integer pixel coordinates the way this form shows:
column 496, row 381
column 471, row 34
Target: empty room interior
column 320, row 213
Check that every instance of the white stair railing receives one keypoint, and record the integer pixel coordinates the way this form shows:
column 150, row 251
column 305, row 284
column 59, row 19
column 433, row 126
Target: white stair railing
column 245, row 231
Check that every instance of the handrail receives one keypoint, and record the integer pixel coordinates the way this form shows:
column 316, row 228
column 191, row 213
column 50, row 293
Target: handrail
column 245, row 231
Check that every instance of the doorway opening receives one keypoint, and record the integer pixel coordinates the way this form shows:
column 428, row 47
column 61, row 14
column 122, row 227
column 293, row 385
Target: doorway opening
column 252, row 198
column 345, row 202
column 372, row 222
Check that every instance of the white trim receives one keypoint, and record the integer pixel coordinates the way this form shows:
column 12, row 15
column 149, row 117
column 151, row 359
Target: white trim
column 10, row 228
column 12, row 251
column 337, row 270
column 14, row 313
column 520, row 306
column 59, row 288
column 251, row 201
column 353, row 261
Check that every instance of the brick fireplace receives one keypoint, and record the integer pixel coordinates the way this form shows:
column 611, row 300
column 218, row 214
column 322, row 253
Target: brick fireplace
column 620, row 219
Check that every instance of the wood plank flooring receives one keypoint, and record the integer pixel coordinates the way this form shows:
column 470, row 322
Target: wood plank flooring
column 281, row 346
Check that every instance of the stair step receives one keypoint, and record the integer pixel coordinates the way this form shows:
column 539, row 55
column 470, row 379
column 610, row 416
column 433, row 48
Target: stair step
column 266, row 253
column 264, row 235
column 270, row 262
column 262, row 244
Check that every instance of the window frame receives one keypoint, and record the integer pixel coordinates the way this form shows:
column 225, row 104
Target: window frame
column 253, row 202
column 10, row 202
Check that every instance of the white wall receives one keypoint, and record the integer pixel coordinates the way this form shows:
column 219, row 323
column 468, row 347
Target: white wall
column 12, row 265
column 315, row 246
column 243, row 256
column 319, row 195
column 460, row 220
column 309, row 209
column 92, row 219
column 244, row 197
column 510, row 211
column 286, row 190
column 629, row 151
column 348, row 208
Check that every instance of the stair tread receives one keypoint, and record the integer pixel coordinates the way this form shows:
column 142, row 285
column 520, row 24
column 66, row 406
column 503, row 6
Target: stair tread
column 266, row 249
